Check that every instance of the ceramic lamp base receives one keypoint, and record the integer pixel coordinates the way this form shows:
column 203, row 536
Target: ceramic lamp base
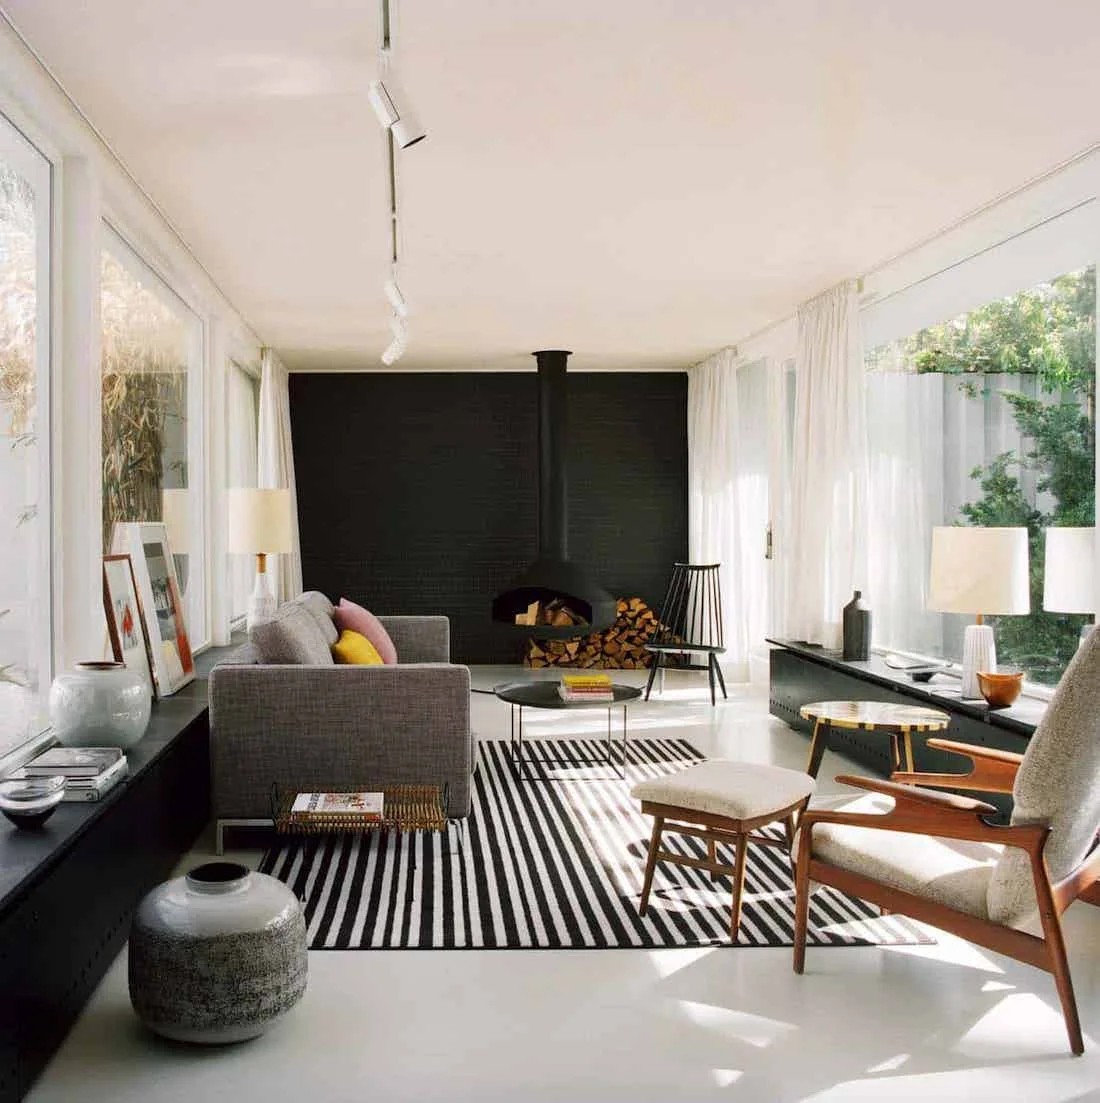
column 261, row 602
column 979, row 653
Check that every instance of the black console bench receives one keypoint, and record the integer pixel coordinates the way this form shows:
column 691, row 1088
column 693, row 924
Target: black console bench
column 68, row 891
column 801, row 673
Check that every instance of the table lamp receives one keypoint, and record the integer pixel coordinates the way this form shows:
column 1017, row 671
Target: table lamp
column 1069, row 573
column 983, row 571
column 260, row 523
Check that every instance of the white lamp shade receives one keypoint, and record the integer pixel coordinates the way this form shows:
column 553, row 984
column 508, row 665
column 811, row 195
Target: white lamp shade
column 260, row 521
column 175, row 510
column 1069, row 572
column 979, row 571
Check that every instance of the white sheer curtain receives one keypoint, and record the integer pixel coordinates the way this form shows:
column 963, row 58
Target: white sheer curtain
column 242, row 469
column 729, row 494
column 905, row 412
column 829, row 483
column 276, row 466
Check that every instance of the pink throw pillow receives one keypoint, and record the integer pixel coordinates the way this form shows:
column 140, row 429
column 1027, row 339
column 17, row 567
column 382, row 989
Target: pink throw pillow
column 348, row 615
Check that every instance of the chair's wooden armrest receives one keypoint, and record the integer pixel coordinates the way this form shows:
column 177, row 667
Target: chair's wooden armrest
column 923, row 812
column 910, row 794
column 991, row 770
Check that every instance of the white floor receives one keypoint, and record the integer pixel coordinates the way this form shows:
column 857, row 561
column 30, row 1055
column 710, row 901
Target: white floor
column 944, row 1022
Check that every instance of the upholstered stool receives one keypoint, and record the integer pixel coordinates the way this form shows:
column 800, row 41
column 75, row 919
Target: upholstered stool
column 722, row 802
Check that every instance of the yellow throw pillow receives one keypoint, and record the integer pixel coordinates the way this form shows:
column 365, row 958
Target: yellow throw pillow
column 351, row 647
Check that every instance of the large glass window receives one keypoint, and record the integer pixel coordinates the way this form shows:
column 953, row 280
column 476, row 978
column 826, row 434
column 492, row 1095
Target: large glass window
column 986, row 419
column 151, row 388
column 242, row 467
column 25, row 603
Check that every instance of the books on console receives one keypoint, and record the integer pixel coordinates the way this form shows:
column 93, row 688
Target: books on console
column 89, row 772
column 83, row 762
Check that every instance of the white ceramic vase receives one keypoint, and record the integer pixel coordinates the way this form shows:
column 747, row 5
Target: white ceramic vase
column 99, row 704
column 217, row 956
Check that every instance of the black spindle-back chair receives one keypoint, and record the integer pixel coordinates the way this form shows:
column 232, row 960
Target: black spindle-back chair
column 691, row 623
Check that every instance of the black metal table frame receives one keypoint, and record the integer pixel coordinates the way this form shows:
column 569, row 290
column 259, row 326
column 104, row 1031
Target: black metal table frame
column 515, row 740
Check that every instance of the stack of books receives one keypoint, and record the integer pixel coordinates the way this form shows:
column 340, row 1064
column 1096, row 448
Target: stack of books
column 336, row 809
column 89, row 772
column 575, row 688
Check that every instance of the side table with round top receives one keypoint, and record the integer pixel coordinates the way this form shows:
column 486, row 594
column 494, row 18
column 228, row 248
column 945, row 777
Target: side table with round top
column 544, row 695
column 897, row 721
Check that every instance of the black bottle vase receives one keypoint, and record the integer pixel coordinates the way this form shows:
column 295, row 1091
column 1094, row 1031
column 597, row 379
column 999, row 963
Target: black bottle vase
column 857, row 629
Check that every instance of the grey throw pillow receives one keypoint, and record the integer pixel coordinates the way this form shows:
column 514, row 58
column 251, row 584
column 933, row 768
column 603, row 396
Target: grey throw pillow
column 291, row 636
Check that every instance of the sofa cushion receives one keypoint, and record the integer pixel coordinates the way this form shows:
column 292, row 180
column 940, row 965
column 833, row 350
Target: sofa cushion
column 292, row 636
column 358, row 619
column 355, row 649
column 321, row 609
column 950, row 871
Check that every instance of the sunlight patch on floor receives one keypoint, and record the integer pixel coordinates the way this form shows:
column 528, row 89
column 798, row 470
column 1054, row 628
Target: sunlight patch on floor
column 753, row 1030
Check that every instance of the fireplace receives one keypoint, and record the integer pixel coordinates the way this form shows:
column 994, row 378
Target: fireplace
column 554, row 598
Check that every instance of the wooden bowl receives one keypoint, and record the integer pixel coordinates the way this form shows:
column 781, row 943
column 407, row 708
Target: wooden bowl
column 1000, row 690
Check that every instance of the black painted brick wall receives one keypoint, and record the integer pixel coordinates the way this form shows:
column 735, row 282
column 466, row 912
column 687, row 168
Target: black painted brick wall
column 417, row 493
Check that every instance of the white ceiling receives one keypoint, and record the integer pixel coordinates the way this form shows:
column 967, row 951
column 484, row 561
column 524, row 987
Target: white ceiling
column 642, row 181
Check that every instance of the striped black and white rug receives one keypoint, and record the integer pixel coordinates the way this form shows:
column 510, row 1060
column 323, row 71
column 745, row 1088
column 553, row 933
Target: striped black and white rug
column 554, row 862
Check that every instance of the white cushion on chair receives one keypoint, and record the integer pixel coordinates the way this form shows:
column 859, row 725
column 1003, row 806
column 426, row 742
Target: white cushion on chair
column 949, row 871
column 739, row 790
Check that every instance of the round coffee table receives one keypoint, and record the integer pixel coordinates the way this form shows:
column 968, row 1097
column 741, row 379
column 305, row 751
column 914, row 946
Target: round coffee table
column 544, row 695
column 898, row 721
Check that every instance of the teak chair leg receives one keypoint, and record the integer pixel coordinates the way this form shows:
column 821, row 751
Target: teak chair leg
column 1056, row 948
column 742, row 846
column 712, row 854
column 651, row 862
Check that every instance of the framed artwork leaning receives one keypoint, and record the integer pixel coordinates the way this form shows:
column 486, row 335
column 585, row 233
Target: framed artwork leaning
column 146, row 542
column 126, row 618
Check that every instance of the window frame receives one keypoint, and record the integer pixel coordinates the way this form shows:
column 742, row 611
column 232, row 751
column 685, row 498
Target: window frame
column 36, row 165
column 143, row 268
column 1061, row 241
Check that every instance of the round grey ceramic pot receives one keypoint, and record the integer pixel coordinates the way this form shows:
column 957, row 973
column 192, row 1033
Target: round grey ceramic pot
column 217, row 956
column 99, row 704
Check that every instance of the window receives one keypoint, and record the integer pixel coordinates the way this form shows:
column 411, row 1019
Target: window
column 242, row 467
column 985, row 419
column 25, row 559
column 151, row 414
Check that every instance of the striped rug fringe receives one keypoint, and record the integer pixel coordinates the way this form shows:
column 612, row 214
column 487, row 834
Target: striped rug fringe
column 554, row 862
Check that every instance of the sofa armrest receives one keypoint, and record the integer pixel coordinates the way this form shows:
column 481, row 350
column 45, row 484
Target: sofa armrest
column 318, row 727
column 420, row 639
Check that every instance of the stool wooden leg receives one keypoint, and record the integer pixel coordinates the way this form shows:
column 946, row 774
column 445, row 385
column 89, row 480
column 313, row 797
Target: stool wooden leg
column 788, row 827
column 712, row 854
column 738, row 884
column 651, row 862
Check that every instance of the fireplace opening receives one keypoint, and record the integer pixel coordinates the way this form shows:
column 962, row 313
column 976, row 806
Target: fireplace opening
column 553, row 588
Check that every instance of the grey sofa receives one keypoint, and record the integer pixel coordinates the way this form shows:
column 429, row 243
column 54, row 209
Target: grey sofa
column 304, row 721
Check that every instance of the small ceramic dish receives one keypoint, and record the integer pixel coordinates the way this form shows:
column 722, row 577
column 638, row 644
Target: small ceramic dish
column 29, row 801
column 1001, row 689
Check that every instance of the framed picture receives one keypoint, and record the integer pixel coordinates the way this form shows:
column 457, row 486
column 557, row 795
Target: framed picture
column 158, row 591
column 126, row 618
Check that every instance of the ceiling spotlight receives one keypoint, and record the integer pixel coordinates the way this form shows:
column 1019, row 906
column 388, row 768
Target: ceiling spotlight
column 395, row 112
column 395, row 298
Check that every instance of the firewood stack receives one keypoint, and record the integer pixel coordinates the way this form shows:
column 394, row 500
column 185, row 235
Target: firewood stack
column 621, row 647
